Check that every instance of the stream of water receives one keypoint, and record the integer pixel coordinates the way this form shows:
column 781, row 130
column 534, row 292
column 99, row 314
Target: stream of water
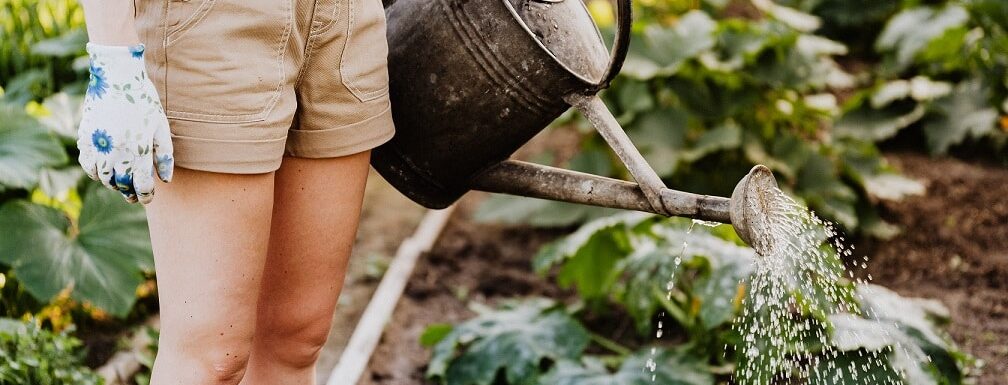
column 798, row 283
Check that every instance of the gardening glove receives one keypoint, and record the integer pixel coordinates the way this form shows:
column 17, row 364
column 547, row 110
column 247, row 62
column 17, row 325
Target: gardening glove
column 123, row 136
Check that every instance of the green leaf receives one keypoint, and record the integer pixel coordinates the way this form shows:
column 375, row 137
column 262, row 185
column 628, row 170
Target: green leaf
column 867, row 123
column 723, row 137
column 30, row 354
column 855, row 368
column 70, row 43
column 102, row 259
column 852, row 333
column 64, row 114
column 965, row 113
column 536, row 212
column 661, row 50
column 57, row 183
column 25, row 148
column 660, row 134
column 892, row 186
column 514, row 340
column 909, row 32
column 588, row 257
column 820, row 184
column 905, row 330
column 672, row 367
column 434, row 334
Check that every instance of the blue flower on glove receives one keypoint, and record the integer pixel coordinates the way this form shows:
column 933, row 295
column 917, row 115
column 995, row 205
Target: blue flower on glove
column 97, row 86
column 164, row 166
column 137, row 51
column 102, row 141
column 124, row 183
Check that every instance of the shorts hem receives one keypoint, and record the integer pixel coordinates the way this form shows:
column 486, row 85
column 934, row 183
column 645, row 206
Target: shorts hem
column 341, row 141
column 228, row 156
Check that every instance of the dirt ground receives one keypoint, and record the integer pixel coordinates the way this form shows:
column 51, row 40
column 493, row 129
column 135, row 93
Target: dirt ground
column 470, row 262
column 954, row 248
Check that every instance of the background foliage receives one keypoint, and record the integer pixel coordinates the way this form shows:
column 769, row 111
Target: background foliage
column 67, row 240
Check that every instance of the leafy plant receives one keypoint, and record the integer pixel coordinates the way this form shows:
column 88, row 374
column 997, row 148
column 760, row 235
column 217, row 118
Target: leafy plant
column 699, row 277
column 700, row 94
column 31, row 355
column 62, row 233
column 527, row 333
column 41, row 46
column 942, row 72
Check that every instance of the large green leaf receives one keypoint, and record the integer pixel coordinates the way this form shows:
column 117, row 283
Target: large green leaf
column 588, row 257
column 515, row 340
column 867, row 123
column 659, row 51
column 912, row 29
column 670, row 367
column 101, row 257
column 967, row 112
column 901, row 331
column 25, row 148
column 63, row 114
column 856, row 367
column 70, row 43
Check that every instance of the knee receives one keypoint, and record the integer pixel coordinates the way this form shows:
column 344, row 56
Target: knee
column 218, row 361
column 226, row 369
column 295, row 341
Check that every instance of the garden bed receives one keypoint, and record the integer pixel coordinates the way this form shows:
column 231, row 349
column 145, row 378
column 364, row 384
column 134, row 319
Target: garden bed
column 963, row 215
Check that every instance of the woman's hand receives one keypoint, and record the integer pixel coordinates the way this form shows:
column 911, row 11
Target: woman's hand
column 123, row 136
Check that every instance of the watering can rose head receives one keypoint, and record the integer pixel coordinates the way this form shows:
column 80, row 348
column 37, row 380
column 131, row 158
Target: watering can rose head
column 753, row 207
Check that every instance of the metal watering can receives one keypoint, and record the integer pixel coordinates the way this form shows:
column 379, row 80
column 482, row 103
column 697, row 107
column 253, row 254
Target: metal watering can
column 472, row 80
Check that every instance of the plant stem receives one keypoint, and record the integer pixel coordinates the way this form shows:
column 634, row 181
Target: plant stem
column 613, row 346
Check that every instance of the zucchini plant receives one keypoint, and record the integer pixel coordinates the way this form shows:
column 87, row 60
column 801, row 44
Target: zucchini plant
column 693, row 282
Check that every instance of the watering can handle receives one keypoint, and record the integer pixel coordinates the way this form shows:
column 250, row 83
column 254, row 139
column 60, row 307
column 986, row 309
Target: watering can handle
column 621, row 43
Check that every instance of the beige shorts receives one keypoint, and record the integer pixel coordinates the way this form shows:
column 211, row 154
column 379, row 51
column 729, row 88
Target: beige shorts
column 245, row 82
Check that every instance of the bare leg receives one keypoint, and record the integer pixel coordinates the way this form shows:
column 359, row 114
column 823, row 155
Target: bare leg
column 210, row 234
column 315, row 217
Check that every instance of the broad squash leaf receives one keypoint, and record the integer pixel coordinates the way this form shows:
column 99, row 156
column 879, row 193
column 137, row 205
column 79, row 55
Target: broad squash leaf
column 515, row 341
column 62, row 114
column 25, row 148
column 912, row 29
column 901, row 330
column 660, row 51
column 868, row 123
column 855, row 367
column 671, row 367
column 965, row 113
column 101, row 257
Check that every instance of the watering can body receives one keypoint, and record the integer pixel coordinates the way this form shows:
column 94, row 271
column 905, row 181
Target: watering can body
column 471, row 81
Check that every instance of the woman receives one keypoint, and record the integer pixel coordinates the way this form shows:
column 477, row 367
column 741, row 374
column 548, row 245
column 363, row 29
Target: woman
column 269, row 109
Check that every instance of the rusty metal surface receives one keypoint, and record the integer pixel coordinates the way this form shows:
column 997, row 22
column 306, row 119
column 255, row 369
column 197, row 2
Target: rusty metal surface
column 753, row 204
column 470, row 82
column 545, row 182
column 605, row 123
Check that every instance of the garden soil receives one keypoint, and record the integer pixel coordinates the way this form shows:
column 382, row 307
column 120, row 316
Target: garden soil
column 954, row 248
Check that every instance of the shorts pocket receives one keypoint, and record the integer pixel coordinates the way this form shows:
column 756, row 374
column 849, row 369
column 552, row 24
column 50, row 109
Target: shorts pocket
column 363, row 64
column 224, row 59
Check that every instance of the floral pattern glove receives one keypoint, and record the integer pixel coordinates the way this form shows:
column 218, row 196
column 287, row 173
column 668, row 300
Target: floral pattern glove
column 123, row 137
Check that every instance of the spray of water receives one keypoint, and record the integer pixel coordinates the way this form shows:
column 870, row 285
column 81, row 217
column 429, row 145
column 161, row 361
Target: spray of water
column 799, row 283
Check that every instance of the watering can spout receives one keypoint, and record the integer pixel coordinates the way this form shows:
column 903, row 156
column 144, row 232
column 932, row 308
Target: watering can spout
column 747, row 210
